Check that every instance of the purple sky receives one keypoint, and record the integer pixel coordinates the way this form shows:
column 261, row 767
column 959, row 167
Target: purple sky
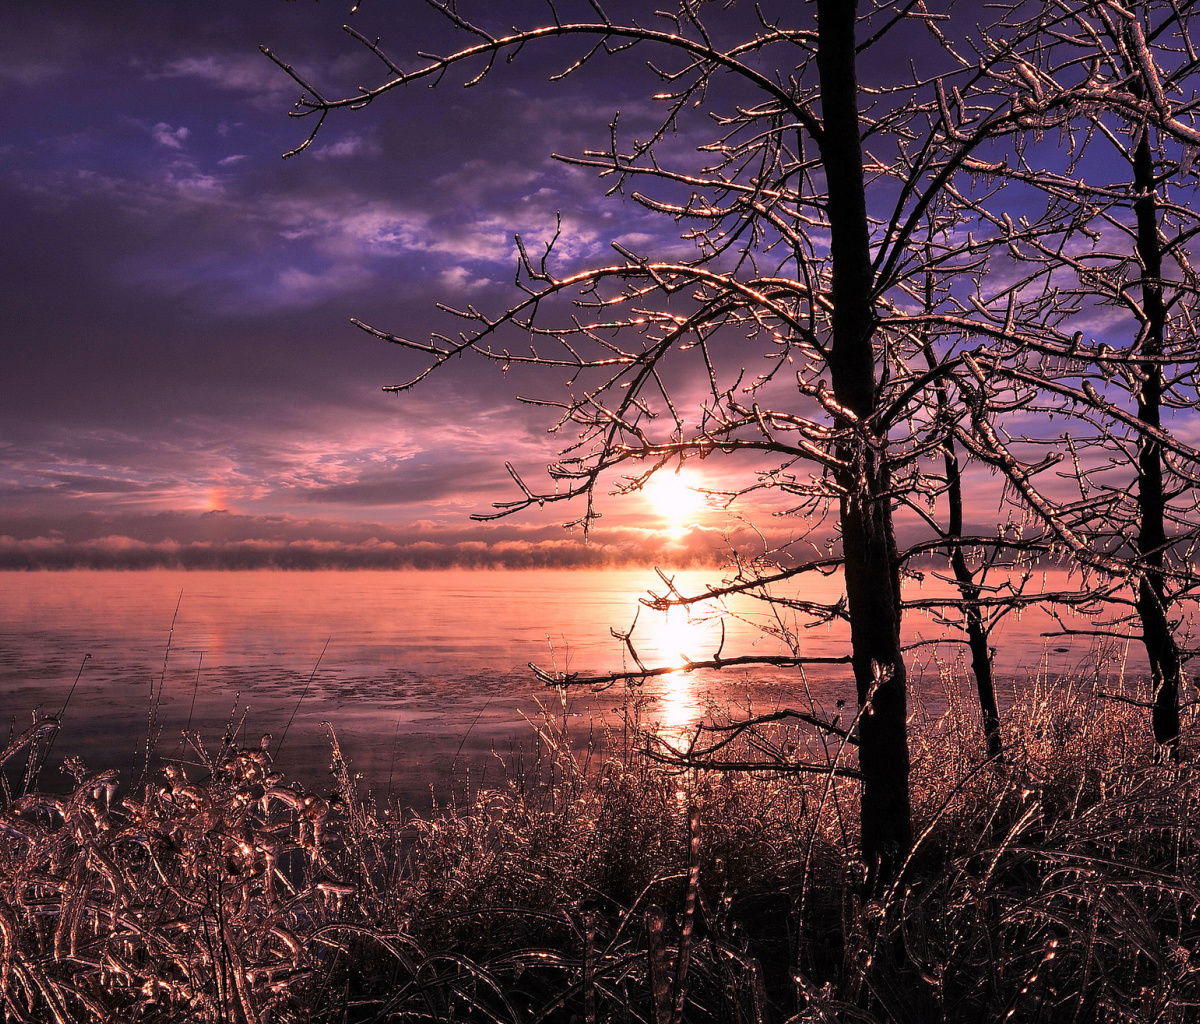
column 181, row 382
column 177, row 297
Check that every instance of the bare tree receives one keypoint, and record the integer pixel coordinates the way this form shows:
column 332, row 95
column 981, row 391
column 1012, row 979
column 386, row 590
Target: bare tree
column 1152, row 56
column 1116, row 203
column 821, row 208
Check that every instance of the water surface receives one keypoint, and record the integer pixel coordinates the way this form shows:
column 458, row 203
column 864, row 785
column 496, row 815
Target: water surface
column 421, row 673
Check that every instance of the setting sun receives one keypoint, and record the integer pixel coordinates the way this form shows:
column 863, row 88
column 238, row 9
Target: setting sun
column 675, row 496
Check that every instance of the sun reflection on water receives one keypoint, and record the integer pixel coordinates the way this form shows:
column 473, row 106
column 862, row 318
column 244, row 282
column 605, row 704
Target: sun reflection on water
column 675, row 640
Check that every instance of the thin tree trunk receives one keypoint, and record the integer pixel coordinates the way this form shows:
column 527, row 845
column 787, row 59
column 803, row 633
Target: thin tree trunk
column 1152, row 600
column 872, row 565
column 977, row 637
column 964, row 579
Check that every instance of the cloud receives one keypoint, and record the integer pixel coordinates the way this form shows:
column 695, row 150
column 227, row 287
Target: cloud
column 413, row 481
column 248, row 73
column 172, row 138
column 40, row 44
column 237, row 242
column 457, row 280
column 81, row 484
column 347, row 146
column 362, row 450
column 349, row 225
column 31, row 72
column 119, row 551
column 296, row 287
column 474, row 178
column 188, row 180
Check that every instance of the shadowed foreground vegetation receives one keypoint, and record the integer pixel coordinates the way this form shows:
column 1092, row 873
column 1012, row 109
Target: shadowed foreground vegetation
column 1061, row 884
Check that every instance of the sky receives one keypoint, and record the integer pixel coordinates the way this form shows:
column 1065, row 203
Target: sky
column 182, row 384
column 181, row 378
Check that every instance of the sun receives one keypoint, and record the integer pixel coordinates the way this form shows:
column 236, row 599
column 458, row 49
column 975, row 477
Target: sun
column 675, row 496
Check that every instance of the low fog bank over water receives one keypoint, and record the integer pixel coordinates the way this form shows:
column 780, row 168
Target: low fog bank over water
column 422, row 674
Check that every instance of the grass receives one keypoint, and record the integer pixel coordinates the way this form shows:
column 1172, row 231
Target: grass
column 598, row 884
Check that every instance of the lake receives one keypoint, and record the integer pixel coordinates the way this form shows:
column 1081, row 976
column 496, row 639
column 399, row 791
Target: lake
column 423, row 674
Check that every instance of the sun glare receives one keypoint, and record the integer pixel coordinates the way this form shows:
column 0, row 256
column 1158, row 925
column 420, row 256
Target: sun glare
column 675, row 497
column 678, row 638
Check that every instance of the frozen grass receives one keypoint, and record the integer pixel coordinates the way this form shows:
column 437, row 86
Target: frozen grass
column 1059, row 885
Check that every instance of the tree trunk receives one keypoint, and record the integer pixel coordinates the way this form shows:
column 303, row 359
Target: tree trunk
column 872, row 564
column 1152, row 601
column 964, row 579
column 977, row 637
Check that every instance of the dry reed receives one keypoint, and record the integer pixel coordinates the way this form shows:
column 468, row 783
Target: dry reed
column 602, row 885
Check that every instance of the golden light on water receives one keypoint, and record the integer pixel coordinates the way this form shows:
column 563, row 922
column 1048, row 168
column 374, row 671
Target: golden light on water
column 676, row 639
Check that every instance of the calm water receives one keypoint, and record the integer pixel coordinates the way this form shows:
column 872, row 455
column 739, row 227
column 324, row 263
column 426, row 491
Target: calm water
column 422, row 674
